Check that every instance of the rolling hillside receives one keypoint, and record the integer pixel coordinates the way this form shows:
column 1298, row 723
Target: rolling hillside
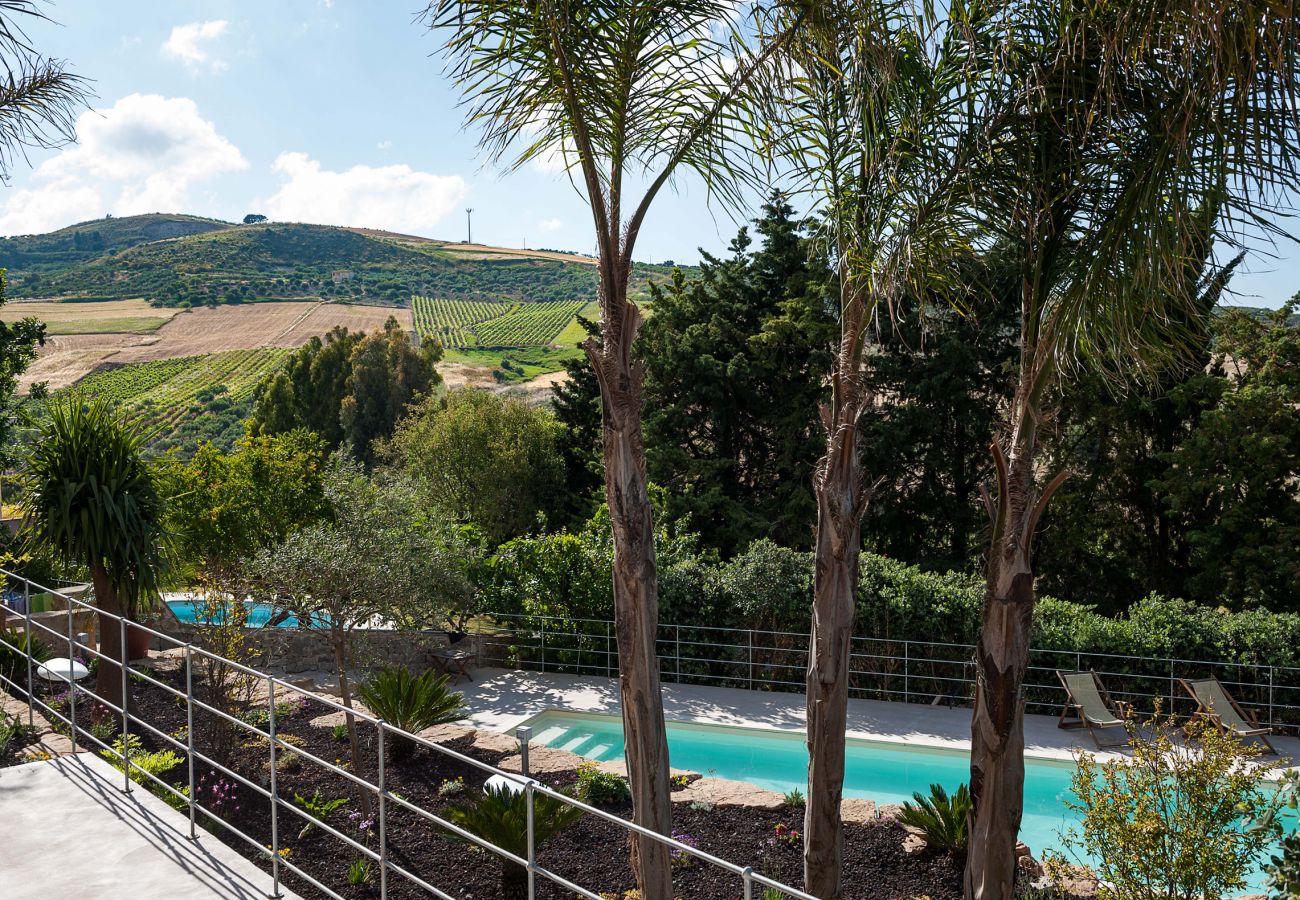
column 185, row 261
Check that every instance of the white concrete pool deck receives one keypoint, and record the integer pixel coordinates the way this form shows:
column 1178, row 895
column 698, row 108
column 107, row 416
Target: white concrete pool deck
column 501, row 699
column 68, row 830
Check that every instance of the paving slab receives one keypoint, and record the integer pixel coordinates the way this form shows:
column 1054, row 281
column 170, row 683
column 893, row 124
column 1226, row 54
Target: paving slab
column 68, row 830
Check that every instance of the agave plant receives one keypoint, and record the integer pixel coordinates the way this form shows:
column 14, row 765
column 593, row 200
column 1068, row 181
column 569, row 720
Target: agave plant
column 942, row 820
column 500, row 817
column 411, row 702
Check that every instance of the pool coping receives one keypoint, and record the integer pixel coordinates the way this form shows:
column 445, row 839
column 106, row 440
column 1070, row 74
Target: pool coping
column 503, row 699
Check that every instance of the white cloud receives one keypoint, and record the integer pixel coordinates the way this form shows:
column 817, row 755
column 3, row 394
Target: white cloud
column 142, row 154
column 397, row 197
column 550, row 225
column 191, row 44
column 384, row 145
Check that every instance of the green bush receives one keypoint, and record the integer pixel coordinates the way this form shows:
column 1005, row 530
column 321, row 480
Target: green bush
column 12, row 730
column 942, row 820
column 1178, row 818
column 601, row 788
column 500, row 816
column 145, row 763
column 411, row 702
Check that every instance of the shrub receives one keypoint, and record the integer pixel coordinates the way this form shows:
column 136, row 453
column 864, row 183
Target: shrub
column 143, row 762
column 411, row 703
column 795, row 798
column 942, row 820
column 601, row 788
column 500, row 816
column 1179, row 818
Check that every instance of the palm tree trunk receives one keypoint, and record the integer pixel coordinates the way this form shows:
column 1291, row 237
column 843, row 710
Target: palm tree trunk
column 108, row 671
column 841, row 501
column 997, row 776
column 636, row 588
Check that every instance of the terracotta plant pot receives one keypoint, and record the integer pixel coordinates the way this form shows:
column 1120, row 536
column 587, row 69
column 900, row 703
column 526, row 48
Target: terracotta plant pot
column 137, row 642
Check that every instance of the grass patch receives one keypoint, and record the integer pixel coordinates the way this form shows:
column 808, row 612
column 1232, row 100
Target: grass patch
column 123, row 325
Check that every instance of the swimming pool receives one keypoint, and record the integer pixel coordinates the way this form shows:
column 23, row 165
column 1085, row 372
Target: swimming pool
column 778, row 761
column 259, row 614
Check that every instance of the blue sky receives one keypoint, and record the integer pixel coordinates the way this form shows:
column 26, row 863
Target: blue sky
column 332, row 111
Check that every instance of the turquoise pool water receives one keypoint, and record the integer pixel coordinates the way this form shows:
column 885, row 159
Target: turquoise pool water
column 778, row 761
column 259, row 614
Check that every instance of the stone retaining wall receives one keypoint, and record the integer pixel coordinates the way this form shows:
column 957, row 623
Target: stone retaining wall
column 294, row 650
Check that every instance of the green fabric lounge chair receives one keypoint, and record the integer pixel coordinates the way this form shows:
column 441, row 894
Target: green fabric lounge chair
column 1213, row 702
column 1089, row 705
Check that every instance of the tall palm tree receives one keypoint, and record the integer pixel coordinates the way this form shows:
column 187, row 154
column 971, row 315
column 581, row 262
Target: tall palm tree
column 623, row 95
column 92, row 500
column 864, row 113
column 1113, row 133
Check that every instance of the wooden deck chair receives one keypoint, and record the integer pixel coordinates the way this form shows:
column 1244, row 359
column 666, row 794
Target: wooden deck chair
column 1213, row 702
column 1089, row 705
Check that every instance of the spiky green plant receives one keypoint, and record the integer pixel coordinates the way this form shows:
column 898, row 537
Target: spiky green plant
column 15, row 646
column 411, row 702
column 500, row 817
column 942, row 820
column 92, row 501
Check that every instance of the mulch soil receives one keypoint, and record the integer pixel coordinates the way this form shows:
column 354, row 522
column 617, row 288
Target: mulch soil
column 591, row 852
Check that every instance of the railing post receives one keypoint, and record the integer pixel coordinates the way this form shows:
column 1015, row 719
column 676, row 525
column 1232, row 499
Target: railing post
column 275, row 794
column 748, row 875
column 532, row 842
column 27, row 639
column 383, row 819
column 525, row 735
column 907, row 666
column 1270, row 698
column 677, row 652
column 1171, row 687
column 72, row 687
column 749, row 640
column 609, row 654
column 126, row 716
column 543, row 644
column 189, row 730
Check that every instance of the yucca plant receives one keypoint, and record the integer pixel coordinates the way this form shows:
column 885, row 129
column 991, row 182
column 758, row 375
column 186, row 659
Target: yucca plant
column 92, row 501
column 942, row 820
column 15, row 646
column 500, row 817
column 411, row 702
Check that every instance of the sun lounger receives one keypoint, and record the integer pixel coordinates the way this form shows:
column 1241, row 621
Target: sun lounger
column 1088, row 705
column 1213, row 702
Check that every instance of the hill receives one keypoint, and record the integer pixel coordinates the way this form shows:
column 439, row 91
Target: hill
column 185, row 261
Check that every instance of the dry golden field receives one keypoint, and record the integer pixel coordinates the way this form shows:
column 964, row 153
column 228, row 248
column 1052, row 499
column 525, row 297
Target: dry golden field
column 72, row 353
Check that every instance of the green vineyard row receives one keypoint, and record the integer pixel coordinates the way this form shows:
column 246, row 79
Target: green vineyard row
column 469, row 325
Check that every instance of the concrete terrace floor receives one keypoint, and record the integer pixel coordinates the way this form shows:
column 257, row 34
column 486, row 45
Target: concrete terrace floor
column 501, row 699
column 68, row 830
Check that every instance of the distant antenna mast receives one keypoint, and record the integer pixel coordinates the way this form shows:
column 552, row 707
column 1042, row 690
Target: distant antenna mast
column 469, row 226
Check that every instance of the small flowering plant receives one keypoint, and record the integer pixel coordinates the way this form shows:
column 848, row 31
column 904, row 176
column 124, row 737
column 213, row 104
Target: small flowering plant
column 680, row 858
column 452, row 787
column 784, row 834
column 218, row 796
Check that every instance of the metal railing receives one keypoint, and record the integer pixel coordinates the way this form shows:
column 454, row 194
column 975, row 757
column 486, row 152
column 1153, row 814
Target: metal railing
column 929, row 672
column 386, row 798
